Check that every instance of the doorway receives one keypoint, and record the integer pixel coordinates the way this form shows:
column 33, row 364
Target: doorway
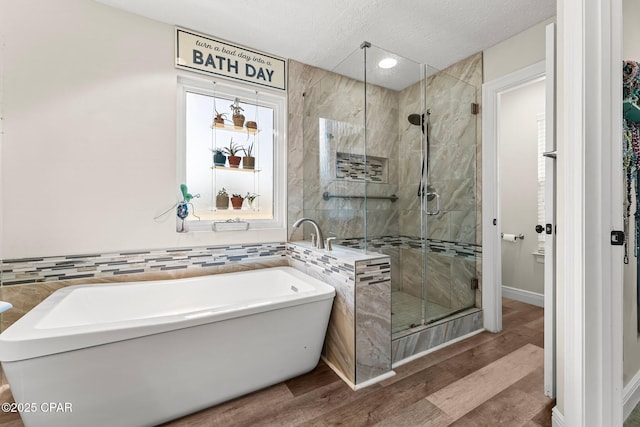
column 493, row 222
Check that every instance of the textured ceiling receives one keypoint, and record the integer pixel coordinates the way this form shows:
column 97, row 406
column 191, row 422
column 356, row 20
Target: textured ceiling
column 324, row 32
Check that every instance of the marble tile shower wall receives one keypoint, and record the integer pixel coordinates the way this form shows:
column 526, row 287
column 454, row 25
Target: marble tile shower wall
column 301, row 77
column 334, row 123
column 454, row 143
column 339, row 102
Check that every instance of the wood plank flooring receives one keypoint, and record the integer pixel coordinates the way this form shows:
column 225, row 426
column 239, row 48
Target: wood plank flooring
column 486, row 380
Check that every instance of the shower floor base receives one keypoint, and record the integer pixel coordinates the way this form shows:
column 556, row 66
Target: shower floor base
column 406, row 312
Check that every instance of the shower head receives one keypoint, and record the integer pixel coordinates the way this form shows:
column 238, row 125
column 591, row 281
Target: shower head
column 415, row 119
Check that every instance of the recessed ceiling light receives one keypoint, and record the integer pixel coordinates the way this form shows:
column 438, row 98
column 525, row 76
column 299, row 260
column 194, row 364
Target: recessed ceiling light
column 387, row 63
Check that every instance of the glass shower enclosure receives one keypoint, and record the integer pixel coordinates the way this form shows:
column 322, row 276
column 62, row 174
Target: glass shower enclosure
column 390, row 167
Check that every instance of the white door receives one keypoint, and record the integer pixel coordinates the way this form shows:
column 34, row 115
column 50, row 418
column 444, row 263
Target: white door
column 550, row 220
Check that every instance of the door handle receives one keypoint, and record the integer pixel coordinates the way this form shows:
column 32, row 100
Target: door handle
column 539, row 228
column 437, row 196
column 550, row 154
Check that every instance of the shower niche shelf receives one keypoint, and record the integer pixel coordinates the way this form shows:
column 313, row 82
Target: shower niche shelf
column 355, row 167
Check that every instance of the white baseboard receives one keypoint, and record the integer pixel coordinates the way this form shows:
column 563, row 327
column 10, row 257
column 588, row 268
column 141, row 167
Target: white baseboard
column 557, row 419
column 521, row 295
column 631, row 396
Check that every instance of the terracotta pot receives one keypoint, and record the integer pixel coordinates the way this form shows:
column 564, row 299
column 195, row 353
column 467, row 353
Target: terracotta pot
column 238, row 120
column 248, row 162
column 234, row 161
column 251, row 125
column 222, row 202
column 236, row 202
column 218, row 121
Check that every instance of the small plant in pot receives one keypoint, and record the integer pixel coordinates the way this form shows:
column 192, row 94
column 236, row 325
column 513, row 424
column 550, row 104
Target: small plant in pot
column 248, row 161
column 218, row 120
column 222, row 199
column 219, row 159
column 236, row 201
column 231, row 151
column 251, row 197
column 237, row 117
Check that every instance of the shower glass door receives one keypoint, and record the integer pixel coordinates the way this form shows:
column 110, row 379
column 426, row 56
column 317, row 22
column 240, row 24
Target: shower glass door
column 390, row 167
column 452, row 241
column 420, row 145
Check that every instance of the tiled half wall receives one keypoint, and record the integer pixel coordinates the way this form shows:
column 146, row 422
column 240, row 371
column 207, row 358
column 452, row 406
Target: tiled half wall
column 358, row 338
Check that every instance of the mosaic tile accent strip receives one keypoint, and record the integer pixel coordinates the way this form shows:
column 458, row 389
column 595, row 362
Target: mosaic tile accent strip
column 454, row 249
column 331, row 266
column 48, row 269
column 354, row 167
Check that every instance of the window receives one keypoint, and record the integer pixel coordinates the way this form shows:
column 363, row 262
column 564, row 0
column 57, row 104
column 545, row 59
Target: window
column 259, row 182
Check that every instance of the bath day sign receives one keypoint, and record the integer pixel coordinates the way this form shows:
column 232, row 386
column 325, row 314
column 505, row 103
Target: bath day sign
column 204, row 54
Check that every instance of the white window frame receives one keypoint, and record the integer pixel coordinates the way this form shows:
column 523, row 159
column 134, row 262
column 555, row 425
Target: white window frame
column 273, row 229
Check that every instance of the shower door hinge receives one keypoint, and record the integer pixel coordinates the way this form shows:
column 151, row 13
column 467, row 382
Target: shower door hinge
column 474, row 283
column 475, row 108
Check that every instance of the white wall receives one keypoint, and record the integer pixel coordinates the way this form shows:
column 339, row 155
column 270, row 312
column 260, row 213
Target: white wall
column 631, row 51
column 519, row 51
column 89, row 145
column 518, row 184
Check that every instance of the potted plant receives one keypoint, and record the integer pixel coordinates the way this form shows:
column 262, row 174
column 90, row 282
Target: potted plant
column 250, row 198
column 248, row 161
column 218, row 120
column 231, row 151
column 236, row 201
column 237, row 117
column 219, row 159
column 222, row 199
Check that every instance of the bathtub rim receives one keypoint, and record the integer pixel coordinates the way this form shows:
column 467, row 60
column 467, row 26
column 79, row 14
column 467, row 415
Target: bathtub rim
column 23, row 340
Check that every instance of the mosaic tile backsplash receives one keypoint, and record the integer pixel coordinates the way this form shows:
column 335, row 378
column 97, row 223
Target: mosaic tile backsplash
column 48, row 269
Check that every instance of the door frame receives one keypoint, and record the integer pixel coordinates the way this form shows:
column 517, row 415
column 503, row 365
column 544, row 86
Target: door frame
column 590, row 205
column 491, row 253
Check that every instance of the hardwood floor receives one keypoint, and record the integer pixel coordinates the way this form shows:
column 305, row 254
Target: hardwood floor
column 486, row 380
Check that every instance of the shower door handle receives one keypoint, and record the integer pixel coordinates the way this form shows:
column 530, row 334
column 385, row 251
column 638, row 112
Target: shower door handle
column 437, row 211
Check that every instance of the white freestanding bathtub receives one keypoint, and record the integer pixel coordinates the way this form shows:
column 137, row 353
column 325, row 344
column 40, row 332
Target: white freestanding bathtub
column 141, row 353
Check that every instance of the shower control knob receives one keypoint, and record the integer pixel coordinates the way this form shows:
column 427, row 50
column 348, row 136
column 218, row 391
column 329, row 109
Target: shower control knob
column 539, row 228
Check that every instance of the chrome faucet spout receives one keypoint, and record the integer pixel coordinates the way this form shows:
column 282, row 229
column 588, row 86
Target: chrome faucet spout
column 319, row 236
